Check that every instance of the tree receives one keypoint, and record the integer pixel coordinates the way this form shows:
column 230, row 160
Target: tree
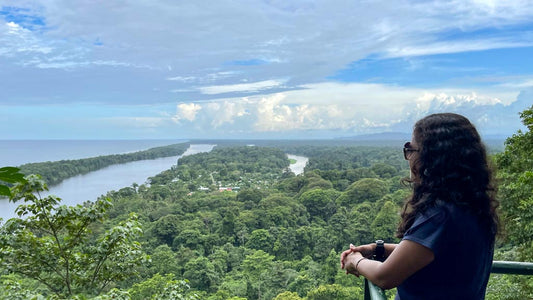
column 303, row 284
column 166, row 228
column 319, row 202
column 201, row 273
column 515, row 174
column 250, row 197
column 256, row 267
column 53, row 246
column 15, row 287
column 162, row 287
column 384, row 225
column 367, row 189
column 384, row 170
column 516, row 165
column 335, row 291
column 362, row 216
column 164, row 261
column 288, row 296
column 331, row 266
column 518, row 154
column 260, row 239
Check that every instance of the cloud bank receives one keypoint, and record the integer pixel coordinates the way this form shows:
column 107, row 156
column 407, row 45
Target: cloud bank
column 260, row 68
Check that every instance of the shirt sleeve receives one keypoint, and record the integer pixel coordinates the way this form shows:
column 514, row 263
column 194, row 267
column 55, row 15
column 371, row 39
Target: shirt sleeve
column 429, row 230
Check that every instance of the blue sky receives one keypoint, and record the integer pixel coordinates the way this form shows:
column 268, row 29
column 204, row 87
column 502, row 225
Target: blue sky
column 259, row 69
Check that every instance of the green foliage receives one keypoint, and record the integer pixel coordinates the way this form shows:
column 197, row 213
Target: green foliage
column 288, row 296
column 201, row 274
column 518, row 207
column 242, row 167
column 53, row 245
column 15, row 287
column 384, row 170
column 250, row 197
column 260, row 239
column 164, row 261
column 320, row 203
column 367, row 189
column 516, row 176
column 509, row 287
column 350, row 157
column 166, row 228
column 518, row 154
column 335, row 291
column 385, row 224
column 162, row 287
column 279, row 236
column 9, row 175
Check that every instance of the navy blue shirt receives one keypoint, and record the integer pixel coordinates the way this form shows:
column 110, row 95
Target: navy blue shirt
column 463, row 252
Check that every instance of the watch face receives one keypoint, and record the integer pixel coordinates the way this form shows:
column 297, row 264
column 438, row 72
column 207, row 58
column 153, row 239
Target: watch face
column 379, row 252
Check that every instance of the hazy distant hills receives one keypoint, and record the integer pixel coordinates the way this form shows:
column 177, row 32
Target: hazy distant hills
column 495, row 143
column 383, row 139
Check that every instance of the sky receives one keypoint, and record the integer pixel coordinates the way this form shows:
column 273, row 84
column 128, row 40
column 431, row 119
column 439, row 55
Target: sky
column 137, row 69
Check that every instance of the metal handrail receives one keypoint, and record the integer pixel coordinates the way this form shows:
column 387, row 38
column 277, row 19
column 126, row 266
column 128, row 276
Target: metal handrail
column 374, row 292
column 512, row 267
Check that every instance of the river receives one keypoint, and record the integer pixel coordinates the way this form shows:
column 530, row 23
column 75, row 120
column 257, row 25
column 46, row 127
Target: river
column 298, row 167
column 90, row 186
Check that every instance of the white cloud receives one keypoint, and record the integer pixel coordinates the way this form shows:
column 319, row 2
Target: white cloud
column 186, row 111
column 182, row 78
column 241, row 87
column 352, row 108
column 18, row 41
column 226, row 111
column 459, row 46
column 301, row 38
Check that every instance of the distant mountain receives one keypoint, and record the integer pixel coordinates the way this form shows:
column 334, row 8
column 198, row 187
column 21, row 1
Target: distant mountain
column 495, row 143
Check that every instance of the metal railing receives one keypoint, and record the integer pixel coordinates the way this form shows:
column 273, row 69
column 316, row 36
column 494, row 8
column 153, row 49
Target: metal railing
column 374, row 292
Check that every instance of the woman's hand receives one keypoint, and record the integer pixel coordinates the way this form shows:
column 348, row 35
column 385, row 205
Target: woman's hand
column 364, row 250
column 350, row 262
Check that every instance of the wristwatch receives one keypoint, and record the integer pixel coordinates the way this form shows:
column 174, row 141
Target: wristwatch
column 379, row 252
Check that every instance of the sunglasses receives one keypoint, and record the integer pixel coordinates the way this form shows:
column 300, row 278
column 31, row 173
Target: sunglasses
column 407, row 149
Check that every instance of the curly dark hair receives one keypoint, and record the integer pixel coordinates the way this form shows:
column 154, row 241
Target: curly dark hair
column 450, row 165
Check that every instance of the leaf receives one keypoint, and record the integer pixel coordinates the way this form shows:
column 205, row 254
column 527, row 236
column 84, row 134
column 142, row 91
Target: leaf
column 4, row 191
column 11, row 175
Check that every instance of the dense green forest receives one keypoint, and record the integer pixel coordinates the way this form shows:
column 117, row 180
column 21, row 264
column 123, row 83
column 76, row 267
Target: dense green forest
column 55, row 172
column 273, row 236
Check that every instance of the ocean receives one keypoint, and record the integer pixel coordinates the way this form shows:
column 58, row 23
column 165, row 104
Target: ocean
column 18, row 152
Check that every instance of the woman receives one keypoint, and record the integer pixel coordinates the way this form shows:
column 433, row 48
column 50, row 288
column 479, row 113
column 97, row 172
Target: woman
column 449, row 223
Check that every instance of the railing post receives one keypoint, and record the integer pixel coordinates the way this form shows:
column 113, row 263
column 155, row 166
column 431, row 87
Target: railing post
column 367, row 292
column 373, row 292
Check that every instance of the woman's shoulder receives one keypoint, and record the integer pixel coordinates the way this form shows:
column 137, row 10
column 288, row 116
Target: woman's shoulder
column 436, row 214
column 438, row 210
column 453, row 215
